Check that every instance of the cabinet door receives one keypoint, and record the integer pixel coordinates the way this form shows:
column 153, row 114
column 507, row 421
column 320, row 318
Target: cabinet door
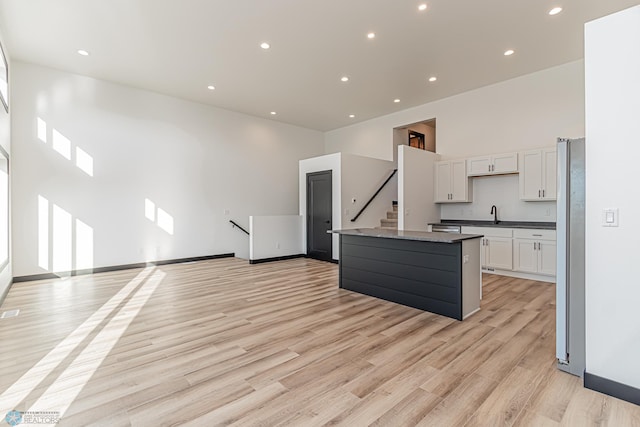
column 531, row 175
column 505, row 163
column 499, row 253
column 478, row 166
column 526, row 256
column 547, row 257
column 550, row 167
column 443, row 182
column 459, row 181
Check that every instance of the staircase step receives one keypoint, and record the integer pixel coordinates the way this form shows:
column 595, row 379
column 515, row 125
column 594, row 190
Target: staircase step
column 392, row 215
column 389, row 223
column 395, row 208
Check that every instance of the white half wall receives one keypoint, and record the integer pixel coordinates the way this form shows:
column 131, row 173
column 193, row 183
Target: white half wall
column 105, row 174
column 612, row 147
column 275, row 236
column 415, row 189
column 5, row 141
column 504, row 192
column 318, row 164
column 526, row 112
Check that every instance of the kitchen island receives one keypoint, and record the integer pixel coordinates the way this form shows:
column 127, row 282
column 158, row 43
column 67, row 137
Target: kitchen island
column 435, row 272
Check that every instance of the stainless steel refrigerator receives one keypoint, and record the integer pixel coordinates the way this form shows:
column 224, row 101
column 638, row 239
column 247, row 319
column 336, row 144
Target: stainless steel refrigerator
column 570, row 278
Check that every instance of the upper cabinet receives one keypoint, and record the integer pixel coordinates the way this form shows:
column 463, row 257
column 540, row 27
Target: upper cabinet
column 538, row 175
column 493, row 165
column 452, row 184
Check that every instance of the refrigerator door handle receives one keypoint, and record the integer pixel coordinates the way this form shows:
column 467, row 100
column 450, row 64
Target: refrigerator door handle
column 562, row 335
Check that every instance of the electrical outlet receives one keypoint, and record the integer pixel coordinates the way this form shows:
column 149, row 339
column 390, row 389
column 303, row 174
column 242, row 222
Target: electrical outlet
column 277, row 245
column 548, row 212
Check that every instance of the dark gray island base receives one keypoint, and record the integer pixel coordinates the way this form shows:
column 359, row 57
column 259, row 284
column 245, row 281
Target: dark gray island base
column 435, row 272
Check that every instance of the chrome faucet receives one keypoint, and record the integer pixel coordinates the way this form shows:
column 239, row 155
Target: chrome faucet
column 494, row 211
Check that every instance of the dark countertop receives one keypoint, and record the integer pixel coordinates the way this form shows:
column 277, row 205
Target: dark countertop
column 408, row 235
column 500, row 224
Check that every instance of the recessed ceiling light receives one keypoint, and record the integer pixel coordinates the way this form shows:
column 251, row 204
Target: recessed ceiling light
column 83, row 52
column 344, row 79
column 555, row 11
column 433, row 79
column 396, row 100
column 371, row 35
column 351, row 116
column 422, row 7
column 508, row 52
column 211, row 87
column 273, row 113
column 265, row 45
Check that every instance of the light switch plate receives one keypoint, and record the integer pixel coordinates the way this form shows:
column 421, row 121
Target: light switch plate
column 610, row 217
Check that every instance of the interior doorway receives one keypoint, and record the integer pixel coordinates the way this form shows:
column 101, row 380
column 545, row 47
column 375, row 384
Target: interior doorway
column 319, row 211
column 420, row 135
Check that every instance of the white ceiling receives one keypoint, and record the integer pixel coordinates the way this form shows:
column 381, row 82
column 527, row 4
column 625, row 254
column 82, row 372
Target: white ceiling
column 179, row 47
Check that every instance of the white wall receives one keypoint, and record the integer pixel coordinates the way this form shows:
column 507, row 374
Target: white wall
column 526, row 112
column 5, row 141
column 361, row 178
column 504, row 192
column 200, row 166
column 415, row 189
column 275, row 236
column 317, row 164
column 612, row 151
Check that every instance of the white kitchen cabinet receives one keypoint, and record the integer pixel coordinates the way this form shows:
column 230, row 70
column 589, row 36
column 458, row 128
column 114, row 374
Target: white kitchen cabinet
column 451, row 182
column 538, row 175
column 496, row 250
column 493, row 165
column 534, row 251
column 498, row 253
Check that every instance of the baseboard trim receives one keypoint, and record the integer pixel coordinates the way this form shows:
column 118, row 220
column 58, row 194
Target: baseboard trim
column 332, row 261
column 612, row 388
column 520, row 275
column 118, row 267
column 278, row 258
column 4, row 294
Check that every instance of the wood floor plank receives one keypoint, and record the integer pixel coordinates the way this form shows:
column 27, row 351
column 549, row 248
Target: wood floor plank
column 223, row 342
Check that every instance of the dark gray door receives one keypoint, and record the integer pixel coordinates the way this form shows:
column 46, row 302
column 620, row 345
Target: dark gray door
column 319, row 215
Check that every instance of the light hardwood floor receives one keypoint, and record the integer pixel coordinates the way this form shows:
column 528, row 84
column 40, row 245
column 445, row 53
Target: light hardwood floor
column 223, row 342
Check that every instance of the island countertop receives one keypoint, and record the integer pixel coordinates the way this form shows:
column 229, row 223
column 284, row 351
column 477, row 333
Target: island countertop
column 424, row 236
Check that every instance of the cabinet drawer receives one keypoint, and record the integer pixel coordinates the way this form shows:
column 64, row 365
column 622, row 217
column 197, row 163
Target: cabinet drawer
column 525, row 233
column 488, row 231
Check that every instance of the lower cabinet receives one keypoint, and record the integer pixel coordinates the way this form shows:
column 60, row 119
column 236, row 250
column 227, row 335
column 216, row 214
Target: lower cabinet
column 534, row 251
column 498, row 253
column 516, row 249
column 495, row 247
